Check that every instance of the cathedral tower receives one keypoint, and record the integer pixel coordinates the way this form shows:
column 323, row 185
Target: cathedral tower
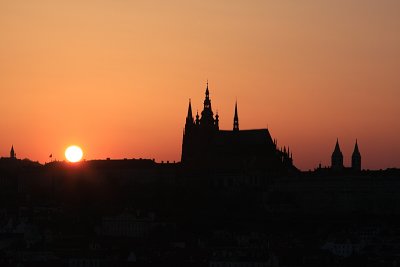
column 205, row 146
column 337, row 157
column 189, row 118
column 207, row 115
column 12, row 153
column 356, row 158
column 199, row 133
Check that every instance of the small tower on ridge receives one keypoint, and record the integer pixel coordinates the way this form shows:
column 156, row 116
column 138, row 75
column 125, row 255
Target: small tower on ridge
column 12, row 153
column 236, row 119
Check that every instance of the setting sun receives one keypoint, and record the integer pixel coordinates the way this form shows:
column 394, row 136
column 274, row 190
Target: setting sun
column 73, row 153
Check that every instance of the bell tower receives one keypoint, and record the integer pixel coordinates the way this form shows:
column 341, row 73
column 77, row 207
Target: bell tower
column 337, row 157
column 207, row 115
column 356, row 158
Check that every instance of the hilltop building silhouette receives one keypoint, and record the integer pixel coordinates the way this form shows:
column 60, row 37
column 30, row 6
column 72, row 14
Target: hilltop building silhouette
column 13, row 155
column 205, row 145
column 337, row 158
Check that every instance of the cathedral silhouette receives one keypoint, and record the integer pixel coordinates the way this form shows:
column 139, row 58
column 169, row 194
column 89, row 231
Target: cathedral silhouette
column 337, row 158
column 206, row 146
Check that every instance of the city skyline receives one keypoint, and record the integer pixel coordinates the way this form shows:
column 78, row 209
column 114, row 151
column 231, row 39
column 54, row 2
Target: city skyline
column 115, row 77
column 196, row 119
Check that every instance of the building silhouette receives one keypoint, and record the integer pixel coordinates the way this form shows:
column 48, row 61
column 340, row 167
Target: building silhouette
column 205, row 145
column 356, row 158
column 232, row 201
column 337, row 158
column 13, row 155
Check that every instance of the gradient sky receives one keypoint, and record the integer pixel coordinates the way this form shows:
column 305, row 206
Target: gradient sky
column 115, row 76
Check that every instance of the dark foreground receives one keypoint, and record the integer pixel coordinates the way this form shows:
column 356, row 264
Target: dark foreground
column 139, row 213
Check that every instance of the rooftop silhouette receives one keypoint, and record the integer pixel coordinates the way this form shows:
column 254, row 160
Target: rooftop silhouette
column 206, row 145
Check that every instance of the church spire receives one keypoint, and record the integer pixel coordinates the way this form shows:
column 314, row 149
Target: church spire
column 337, row 157
column 356, row 151
column 337, row 147
column 207, row 91
column 189, row 118
column 356, row 158
column 190, row 110
column 207, row 116
column 12, row 152
column 236, row 119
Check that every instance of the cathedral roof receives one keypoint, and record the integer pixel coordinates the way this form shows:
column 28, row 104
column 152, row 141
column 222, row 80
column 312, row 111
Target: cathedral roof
column 244, row 137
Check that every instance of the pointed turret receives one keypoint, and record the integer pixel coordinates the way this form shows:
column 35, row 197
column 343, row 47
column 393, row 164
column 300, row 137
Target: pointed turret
column 236, row 119
column 356, row 158
column 189, row 117
column 12, row 153
column 337, row 157
column 207, row 115
column 337, row 148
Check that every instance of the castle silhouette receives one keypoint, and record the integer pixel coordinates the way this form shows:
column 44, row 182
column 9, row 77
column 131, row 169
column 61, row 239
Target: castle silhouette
column 206, row 146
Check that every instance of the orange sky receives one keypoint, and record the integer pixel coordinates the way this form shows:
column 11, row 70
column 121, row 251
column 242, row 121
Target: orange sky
column 115, row 76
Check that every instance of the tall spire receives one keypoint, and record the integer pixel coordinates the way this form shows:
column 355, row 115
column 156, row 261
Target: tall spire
column 356, row 158
column 236, row 119
column 356, row 151
column 12, row 152
column 207, row 116
column 337, row 157
column 337, row 147
column 207, row 101
column 189, row 115
column 189, row 118
column 207, row 91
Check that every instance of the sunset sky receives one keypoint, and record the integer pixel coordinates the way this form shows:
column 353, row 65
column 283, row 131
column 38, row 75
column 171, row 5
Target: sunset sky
column 115, row 76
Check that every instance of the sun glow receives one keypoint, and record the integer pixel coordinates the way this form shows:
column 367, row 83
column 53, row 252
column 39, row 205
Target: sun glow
column 73, row 153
